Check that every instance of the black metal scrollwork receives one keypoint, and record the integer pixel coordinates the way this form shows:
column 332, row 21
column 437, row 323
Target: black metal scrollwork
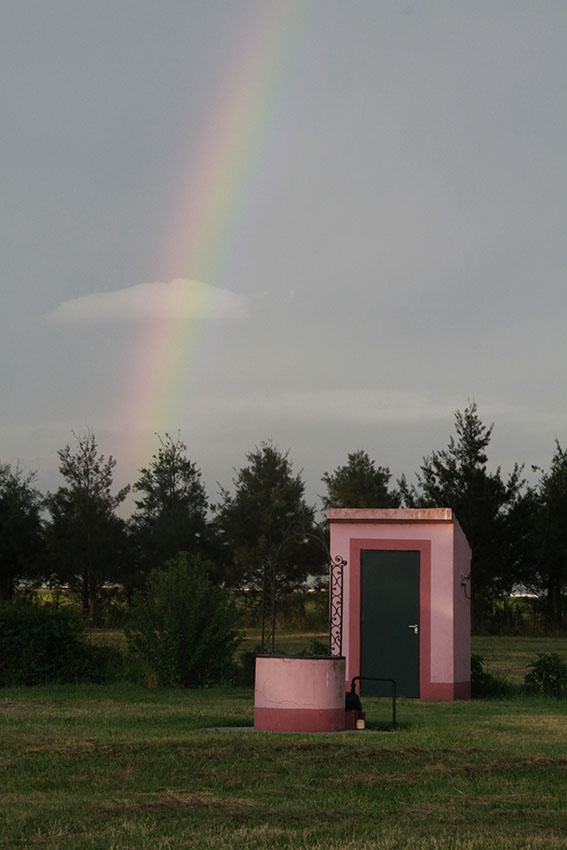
column 336, row 573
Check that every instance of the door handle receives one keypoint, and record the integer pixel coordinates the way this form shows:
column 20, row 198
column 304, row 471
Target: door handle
column 415, row 627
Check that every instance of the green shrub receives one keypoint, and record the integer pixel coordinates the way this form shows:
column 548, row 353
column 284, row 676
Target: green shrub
column 317, row 647
column 485, row 685
column 107, row 664
column 548, row 675
column 40, row 644
column 243, row 672
column 182, row 627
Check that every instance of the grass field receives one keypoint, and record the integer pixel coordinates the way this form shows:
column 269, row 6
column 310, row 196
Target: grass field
column 510, row 657
column 125, row 768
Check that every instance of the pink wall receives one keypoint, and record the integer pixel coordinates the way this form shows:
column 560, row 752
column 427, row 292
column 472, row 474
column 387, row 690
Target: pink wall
column 444, row 606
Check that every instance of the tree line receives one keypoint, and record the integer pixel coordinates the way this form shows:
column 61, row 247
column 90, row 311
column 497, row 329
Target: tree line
column 74, row 538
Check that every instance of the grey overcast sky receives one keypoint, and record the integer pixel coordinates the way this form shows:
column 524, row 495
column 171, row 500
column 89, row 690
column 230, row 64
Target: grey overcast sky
column 325, row 223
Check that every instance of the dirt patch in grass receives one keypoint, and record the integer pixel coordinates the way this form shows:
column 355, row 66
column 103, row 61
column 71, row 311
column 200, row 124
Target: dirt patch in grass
column 181, row 799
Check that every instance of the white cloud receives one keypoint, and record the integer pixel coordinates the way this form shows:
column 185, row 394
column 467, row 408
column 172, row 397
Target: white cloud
column 178, row 299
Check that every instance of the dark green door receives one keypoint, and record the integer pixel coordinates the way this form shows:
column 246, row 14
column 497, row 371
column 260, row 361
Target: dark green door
column 389, row 628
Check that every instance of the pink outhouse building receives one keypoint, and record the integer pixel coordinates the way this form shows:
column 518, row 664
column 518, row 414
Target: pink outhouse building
column 406, row 600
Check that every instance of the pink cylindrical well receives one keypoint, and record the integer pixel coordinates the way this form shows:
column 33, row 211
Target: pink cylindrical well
column 299, row 694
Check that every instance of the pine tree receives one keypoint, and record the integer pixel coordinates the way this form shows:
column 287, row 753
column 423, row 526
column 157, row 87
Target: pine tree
column 261, row 522
column 171, row 511
column 86, row 538
column 550, row 573
column 359, row 484
column 21, row 531
column 490, row 510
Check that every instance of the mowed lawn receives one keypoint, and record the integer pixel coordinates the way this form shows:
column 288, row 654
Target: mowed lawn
column 126, row 767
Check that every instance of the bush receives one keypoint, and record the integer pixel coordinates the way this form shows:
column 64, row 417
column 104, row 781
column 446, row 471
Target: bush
column 317, row 647
column 107, row 664
column 548, row 675
column 182, row 627
column 40, row 644
column 243, row 673
column 485, row 685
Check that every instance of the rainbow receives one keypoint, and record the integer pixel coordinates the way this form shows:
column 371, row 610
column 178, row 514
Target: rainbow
column 238, row 147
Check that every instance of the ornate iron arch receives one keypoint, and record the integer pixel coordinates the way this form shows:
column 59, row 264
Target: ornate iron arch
column 299, row 529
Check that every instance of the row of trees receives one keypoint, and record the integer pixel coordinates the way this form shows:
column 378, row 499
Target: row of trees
column 74, row 537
